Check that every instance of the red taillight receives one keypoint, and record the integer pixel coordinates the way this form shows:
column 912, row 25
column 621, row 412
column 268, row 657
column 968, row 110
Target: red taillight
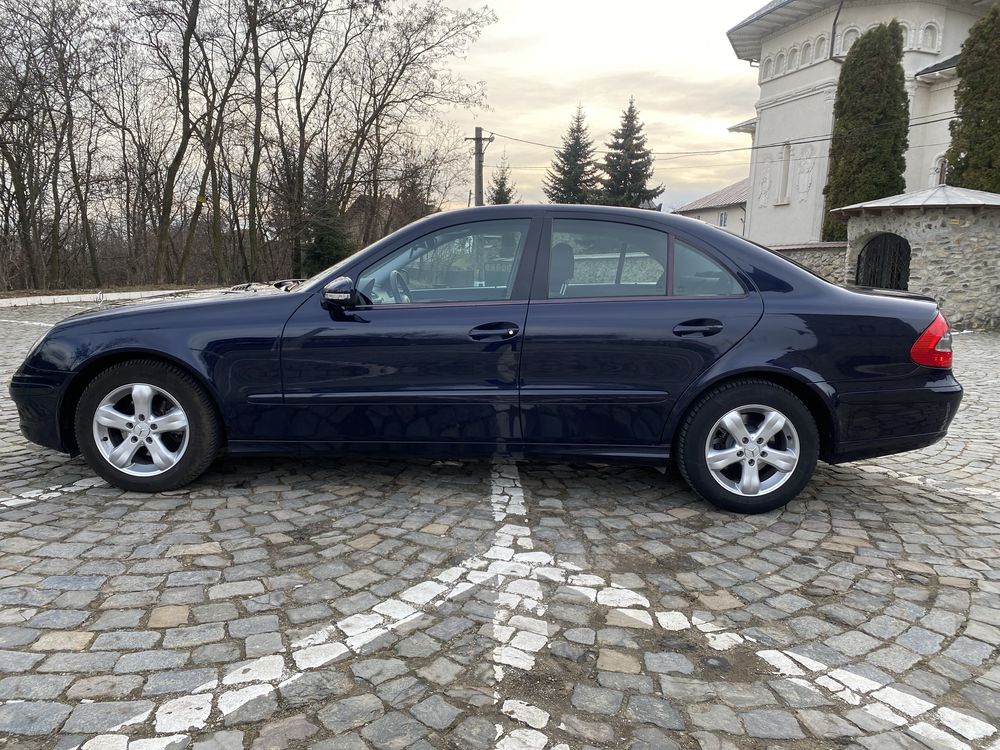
column 933, row 348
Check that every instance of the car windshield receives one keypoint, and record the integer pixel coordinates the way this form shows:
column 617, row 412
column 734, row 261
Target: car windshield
column 313, row 282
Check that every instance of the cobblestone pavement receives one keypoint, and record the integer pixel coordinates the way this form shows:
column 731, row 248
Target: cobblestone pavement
column 376, row 604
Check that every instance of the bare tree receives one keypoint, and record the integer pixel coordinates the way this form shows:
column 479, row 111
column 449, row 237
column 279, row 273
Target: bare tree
column 200, row 141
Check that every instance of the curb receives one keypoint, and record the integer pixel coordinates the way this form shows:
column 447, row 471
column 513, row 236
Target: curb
column 96, row 298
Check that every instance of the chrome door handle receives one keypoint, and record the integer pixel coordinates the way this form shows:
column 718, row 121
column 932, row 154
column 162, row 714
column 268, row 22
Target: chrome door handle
column 499, row 331
column 701, row 327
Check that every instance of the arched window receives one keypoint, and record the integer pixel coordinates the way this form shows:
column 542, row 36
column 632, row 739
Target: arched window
column 767, row 69
column 793, row 58
column 848, row 40
column 820, row 49
column 929, row 38
column 906, row 35
column 779, row 64
column 940, row 176
column 806, row 53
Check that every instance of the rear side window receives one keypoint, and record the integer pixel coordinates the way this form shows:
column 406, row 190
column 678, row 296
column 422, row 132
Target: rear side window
column 609, row 259
column 697, row 275
column 606, row 259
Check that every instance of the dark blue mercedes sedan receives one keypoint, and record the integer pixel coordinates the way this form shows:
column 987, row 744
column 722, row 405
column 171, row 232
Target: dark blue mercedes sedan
column 569, row 332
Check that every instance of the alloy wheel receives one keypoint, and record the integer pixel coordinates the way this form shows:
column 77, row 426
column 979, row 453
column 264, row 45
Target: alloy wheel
column 752, row 450
column 141, row 430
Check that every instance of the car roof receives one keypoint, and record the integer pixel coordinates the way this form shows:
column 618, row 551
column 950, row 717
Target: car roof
column 480, row 213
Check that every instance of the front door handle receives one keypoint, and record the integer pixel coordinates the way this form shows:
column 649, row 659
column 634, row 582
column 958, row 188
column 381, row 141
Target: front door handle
column 499, row 331
column 699, row 327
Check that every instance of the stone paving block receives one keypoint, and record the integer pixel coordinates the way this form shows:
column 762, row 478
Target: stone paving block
column 606, row 599
column 772, row 724
column 96, row 718
column 32, row 718
column 348, row 713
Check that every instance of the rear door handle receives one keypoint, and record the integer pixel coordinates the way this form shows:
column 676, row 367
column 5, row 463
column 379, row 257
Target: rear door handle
column 494, row 331
column 699, row 327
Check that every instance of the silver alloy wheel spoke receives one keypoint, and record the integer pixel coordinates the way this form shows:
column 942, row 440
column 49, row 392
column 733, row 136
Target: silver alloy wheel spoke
column 780, row 460
column 173, row 420
column 109, row 416
column 123, row 454
column 720, row 459
column 733, row 422
column 163, row 459
column 752, row 450
column 142, row 399
column 750, row 480
column 141, row 429
column 773, row 423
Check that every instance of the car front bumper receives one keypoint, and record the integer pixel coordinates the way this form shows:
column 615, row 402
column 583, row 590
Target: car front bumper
column 37, row 398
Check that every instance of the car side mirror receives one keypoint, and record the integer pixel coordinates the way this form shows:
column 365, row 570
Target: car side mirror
column 340, row 292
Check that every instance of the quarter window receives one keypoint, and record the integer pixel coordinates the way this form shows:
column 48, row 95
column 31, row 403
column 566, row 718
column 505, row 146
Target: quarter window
column 697, row 275
column 469, row 263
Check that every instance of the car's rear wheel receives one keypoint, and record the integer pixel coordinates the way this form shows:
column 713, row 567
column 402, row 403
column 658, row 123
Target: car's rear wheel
column 147, row 426
column 748, row 446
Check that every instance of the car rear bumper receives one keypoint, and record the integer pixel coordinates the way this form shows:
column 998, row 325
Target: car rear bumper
column 880, row 423
column 37, row 401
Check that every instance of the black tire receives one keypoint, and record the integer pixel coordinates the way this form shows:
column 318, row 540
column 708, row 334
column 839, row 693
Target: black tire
column 204, row 436
column 698, row 423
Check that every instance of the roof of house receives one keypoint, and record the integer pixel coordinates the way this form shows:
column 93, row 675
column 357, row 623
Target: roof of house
column 730, row 195
column 747, row 126
column 940, row 196
column 946, row 64
column 747, row 36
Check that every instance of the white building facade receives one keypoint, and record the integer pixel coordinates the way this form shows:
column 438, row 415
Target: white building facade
column 799, row 46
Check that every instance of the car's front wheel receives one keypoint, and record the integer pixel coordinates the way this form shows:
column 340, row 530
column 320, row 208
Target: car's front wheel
column 748, row 446
column 147, row 426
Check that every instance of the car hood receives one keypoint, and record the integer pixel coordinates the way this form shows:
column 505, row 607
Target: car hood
column 173, row 300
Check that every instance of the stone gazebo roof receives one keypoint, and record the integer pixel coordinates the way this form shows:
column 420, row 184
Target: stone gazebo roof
column 941, row 196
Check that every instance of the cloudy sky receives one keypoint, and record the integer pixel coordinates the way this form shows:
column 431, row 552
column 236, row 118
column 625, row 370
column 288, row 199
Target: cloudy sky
column 542, row 57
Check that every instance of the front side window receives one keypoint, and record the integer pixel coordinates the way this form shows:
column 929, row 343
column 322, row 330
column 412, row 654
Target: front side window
column 606, row 259
column 474, row 262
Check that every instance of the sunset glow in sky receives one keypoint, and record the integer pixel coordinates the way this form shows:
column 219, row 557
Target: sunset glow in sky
column 542, row 57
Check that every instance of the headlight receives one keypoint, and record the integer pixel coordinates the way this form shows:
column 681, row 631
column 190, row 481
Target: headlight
column 34, row 347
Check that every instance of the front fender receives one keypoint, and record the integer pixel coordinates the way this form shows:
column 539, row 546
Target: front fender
column 232, row 347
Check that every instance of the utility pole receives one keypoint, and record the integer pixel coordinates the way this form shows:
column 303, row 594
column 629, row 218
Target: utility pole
column 479, row 151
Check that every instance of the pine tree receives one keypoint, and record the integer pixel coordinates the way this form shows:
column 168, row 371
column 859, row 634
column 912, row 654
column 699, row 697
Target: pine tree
column 871, row 126
column 329, row 241
column 974, row 156
column 502, row 188
column 628, row 164
column 411, row 198
column 573, row 176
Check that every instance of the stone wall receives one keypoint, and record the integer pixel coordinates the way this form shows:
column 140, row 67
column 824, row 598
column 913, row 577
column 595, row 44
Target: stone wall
column 954, row 257
column 828, row 262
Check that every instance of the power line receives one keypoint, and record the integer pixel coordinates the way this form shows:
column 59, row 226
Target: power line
column 948, row 115
column 700, row 166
